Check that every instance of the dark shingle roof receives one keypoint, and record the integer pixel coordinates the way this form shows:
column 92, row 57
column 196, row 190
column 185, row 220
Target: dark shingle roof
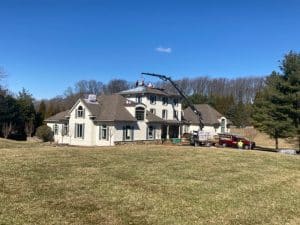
column 209, row 115
column 107, row 108
column 112, row 108
column 148, row 90
column 59, row 117
column 153, row 118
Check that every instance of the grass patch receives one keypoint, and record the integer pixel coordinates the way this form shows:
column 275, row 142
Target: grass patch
column 41, row 184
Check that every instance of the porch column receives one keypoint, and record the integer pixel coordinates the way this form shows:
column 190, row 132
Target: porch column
column 168, row 132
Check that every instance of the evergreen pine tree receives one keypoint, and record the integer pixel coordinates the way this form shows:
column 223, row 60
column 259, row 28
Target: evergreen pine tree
column 270, row 110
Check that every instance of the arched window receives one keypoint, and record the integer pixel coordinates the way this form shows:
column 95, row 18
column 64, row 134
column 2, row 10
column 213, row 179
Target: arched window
column 140, row 113
column 80, row 112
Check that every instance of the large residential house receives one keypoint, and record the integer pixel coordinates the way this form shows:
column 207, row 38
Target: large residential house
column 213, row 121
column 143, row 113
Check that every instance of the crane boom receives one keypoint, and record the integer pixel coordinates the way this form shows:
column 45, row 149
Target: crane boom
column 166, row 78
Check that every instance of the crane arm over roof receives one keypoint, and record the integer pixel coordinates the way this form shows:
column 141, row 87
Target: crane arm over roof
column 167, row 78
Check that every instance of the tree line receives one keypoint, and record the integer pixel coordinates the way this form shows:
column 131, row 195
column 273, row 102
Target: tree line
column 231, row 97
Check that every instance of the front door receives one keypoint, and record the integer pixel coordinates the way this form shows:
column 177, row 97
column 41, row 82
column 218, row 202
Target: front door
column 163, row 132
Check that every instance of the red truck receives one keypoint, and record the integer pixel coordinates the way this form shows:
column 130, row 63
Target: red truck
column 231, row 140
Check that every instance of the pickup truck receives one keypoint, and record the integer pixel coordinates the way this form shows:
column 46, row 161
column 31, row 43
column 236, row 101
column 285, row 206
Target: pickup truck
column 231, row 140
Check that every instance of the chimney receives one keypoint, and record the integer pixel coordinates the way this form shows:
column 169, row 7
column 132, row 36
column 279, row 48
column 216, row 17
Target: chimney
column 92, row 98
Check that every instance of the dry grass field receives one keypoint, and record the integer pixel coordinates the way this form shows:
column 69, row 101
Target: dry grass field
column 44, row 184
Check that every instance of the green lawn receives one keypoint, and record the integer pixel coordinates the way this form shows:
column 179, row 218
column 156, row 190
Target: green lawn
column 42, row 184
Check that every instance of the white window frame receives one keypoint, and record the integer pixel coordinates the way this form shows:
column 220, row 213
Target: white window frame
column 165, row 100
column 55, row 129
column 153, row 111
column 140, row 113
column 164, row 114
column 175, row 114
column 80, row 112
column 103, row 132
column 65, row 129
column 152, row 130
column 154, row 99
column 79, row 130
column 175, row 101
column 139, row 99
column 128, row 133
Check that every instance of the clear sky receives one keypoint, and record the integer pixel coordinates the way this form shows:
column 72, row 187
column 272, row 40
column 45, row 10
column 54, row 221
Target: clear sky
column 48, row 45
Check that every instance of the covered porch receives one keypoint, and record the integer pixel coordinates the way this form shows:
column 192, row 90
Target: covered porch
column 171, row 129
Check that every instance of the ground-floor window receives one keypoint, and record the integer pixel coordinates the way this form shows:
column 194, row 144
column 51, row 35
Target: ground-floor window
column 223, row 126
column 55, row 129
column 65, row 130
column 79, row 130
column 103, row 132
column 151, row 133
column 128, row 133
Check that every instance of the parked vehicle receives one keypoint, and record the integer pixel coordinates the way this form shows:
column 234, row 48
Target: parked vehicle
column 231, row 140
column 203, row 138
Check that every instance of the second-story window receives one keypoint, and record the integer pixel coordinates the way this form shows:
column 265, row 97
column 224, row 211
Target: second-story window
column 139, row 99
column 175, row 115
column 153, row 111
column 165, row 100
column 80, row 112
column 140, row 113
column 152, row 99
column 175, row 101
column 164, row 114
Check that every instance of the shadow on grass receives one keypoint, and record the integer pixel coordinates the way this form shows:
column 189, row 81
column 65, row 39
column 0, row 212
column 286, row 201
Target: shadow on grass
column 266, row 149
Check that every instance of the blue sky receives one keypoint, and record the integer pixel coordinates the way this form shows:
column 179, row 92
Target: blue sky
column 48, row 45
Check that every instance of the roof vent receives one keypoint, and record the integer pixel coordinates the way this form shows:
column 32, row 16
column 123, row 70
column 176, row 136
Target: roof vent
column 92, row 98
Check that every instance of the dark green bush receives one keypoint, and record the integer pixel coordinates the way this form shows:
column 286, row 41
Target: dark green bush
column 45, row 133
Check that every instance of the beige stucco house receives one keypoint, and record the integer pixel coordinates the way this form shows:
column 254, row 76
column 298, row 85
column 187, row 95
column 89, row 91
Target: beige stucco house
column 143, row 113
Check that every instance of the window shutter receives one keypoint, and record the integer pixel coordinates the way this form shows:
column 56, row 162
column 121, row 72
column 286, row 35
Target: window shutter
column 124, row 133
column 83, row 113
column 76, row 113
column 100, row 132
column 154, row 133
column 75, row 131
column 132, row 133
column 147, row 134
column 83, row 130
column 107, row 133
